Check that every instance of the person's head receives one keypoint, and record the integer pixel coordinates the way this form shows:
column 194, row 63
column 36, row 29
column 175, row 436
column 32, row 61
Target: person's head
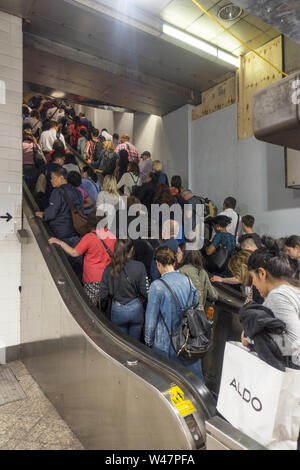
column 116, row 137
column 123, row 155
column 229, row 203
column 35, row 114
column 180, row 252
column 83, row 133
column 25, row 111
column 110, row 185
column 81, row 115
column 74, row 178
column 125, row 138
column 170, row 229
column 292, row 246
column 88, row 172
column 58, row 157
column 58, row 145
column 248, row 222
column 104, row 130
column 134, row 168
column 53, row 124
column 70, row 159
column 145, row 155
column 46, row 125
column 239, row 268
column 132, row 200
column 220, row 222
column 123, row 252
column 176, row 182
column 165, row 258
column 247, row 243
column 27, row 126
column 193, row 257
column 157, row 166
column 95, row 132
column 59, row 177
column 27, row 135
column 269, row 266
column 93, row 220
column 108, row 145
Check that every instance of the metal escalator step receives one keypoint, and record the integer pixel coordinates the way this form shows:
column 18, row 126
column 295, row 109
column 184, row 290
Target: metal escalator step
column 10, row 389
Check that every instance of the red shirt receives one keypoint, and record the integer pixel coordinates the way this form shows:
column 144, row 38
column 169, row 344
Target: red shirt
column 96, row 257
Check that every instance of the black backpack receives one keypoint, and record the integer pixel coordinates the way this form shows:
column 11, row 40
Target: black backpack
column 192, row 339
column 98, row 147
column 108, row 162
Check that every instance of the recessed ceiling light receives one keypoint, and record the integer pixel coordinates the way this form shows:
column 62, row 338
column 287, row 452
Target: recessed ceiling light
column 230, row 12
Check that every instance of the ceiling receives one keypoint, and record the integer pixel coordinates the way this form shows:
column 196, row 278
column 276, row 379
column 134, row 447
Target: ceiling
column 282, row 15
column 118, row 54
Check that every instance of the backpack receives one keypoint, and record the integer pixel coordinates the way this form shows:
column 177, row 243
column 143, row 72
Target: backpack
column 192, row 339
column 98, row 147
column 108, row 162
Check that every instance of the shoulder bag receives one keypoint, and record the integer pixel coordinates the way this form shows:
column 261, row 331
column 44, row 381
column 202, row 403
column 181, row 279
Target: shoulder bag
column 106, row 303
column 78, row 217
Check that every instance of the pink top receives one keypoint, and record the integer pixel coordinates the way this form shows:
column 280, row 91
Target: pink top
column 28, row 152
column 83, row 192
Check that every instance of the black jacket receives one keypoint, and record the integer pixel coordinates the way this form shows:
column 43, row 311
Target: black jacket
column 258, row 322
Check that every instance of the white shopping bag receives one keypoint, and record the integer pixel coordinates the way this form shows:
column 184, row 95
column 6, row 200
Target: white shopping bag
column 249, row 393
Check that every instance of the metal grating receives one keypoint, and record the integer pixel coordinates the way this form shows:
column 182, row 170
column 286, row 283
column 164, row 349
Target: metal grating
column 10, row 389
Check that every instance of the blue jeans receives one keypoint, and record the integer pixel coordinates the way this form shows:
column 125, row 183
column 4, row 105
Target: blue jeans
column 129, row 318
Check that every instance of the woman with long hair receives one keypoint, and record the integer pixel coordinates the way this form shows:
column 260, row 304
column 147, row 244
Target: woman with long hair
column 125, row 281
column 192, row 265
column 130, row 179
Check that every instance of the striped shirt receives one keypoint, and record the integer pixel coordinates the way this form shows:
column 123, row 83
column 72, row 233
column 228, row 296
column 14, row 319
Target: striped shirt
column 133, row 154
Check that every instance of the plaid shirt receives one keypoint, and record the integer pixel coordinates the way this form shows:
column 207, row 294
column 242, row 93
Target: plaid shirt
column 133, row 154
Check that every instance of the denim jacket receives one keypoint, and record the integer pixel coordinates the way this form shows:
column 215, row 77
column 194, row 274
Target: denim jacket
column 161, row 300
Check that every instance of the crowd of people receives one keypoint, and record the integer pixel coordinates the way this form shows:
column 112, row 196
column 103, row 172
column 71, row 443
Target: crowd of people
column 122, row 275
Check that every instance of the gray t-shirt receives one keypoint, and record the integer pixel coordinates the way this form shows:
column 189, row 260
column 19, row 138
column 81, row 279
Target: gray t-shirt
column 284, row 301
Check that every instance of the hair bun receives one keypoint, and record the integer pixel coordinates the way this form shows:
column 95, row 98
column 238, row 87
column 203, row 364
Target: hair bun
column 271, row 245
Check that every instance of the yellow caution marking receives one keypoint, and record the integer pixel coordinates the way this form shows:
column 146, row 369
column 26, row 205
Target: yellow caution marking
column 184, row 407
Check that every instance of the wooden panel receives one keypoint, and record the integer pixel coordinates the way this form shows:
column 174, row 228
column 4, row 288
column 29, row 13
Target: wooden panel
column 255, row 74
column 217, row 98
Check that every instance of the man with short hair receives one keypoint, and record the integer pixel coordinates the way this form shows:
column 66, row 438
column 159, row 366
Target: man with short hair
column 133, row 154
column 145, row 165
column 248, row 224
column 49, row 137
column 229, row 210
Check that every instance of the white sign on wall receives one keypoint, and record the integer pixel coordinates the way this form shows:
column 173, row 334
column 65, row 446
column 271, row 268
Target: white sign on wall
column 7, row 215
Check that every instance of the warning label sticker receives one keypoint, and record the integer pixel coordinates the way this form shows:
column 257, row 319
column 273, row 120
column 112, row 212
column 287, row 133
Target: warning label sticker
column 184, row 407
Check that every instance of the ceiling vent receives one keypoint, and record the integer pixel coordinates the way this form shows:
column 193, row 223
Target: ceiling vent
column 230, row 12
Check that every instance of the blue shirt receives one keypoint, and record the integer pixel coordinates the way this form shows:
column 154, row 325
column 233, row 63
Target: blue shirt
column 93, row 190
column 160, row 300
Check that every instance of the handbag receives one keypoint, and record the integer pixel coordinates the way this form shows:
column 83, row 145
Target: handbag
column 259, row 400
column 218, row 260
column 80, row 220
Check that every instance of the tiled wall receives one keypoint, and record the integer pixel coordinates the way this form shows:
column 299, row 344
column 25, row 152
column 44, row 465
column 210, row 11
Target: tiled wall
column 11, row 65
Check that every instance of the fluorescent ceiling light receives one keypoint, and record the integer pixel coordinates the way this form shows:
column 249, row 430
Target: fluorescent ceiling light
column 191, row 40
column 201, row 45
column 231, row 59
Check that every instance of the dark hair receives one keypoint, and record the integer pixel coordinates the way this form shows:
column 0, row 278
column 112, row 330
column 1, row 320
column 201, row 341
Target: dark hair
column 58, row 153
column 230, row 202
column 122, row 253
column 221, row 220
column 176, row 182
column 26, row 126
column 60, row 171
column 90, row 172
column 93, row 220
column 193, row 257
column 35, row 113
column 95, row 132
column 116, row 136
column 104, row 130
column 58, row 144
column 163, row 195
column 134, row 168
column 293, row 241
column 248, row 220
column 154, row 177
column 25, row 111
column 74, row 178
column 70, row 158
column 247, row 237
column 146, row 154
column 165, row 256
column 46, row 125
column 53, row 124
column 272, row 259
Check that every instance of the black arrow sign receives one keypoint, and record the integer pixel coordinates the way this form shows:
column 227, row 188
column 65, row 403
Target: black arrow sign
column 8, row 217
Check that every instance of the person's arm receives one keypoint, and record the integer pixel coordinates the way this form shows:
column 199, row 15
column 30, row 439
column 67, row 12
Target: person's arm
column 104, row 284
column 226, row 280
column 210, row 250
column 52, row 210
column 88, row 203
column 152, row 315
column 67, row 248
column 122, row 181
column 143, row 282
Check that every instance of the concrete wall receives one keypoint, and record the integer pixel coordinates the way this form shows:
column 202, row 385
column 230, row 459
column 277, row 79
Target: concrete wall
column 11, row 78
column 250, row 170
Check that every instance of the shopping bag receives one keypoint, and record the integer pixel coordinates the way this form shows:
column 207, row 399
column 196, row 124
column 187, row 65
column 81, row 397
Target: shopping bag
column 249, row 393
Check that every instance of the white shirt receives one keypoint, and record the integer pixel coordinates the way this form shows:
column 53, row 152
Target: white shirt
column 107, row 136
column 48, row 138
column 231, row 228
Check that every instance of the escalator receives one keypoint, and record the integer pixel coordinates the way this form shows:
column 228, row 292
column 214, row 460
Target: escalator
column 114, row 392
